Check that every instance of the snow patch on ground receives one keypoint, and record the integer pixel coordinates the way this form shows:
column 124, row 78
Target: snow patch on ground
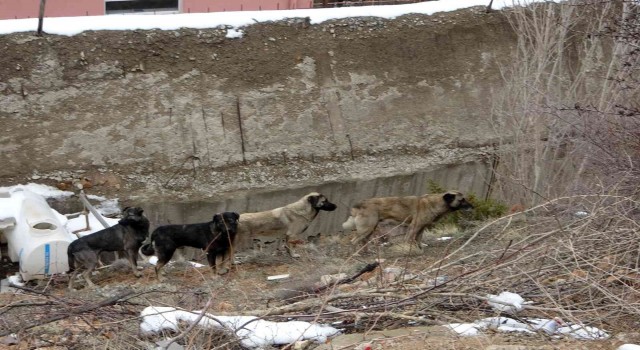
column 509, row 325
column 582, row 332
column 252, row 331
column 628, row 347
column 234, row 33
column 506, row 302
column 512, row 303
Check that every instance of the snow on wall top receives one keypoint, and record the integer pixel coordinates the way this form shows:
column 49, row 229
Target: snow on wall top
column 75, row 25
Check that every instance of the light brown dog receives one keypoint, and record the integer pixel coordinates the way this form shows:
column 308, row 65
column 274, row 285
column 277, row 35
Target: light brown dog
column 289, row 221
column 417, row 212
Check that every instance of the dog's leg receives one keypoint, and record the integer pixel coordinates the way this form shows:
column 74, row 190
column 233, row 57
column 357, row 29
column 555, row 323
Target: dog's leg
column 132, row 256
column 87, row 277
column 159, row 272
column 164, row 255
column 365, row 226
column 222, row 261
column 292, row 233
column 87, row 260
column 72, row 278
column 87, row 273
column 362, row 238
column 212, row 258
column 415, row 233
column 290, row 249
column 219, row 264
column 419, row 234
column 229, row 257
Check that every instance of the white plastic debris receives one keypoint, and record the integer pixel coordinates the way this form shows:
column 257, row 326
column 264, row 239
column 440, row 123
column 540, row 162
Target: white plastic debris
column 277, row 277
column 16, row 280
column 506, row 302
column 583, row 332
column 465, row 329
column 153, row 260
column 36, row 237
column 581, row 214
column 252, row 331
column 495, row 322
column 547, row 325
column 529, row 325
column 446, row 238
column 628, row 347
column 503, row 324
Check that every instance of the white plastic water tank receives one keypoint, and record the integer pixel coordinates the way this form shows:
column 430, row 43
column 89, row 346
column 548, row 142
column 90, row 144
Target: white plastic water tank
column 38, row 241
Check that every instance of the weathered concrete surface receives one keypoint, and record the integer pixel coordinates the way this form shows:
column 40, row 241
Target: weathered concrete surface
column 159, row 113
column 471, row 176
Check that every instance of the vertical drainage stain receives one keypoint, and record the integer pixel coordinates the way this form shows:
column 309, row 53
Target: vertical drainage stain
column 244, row 160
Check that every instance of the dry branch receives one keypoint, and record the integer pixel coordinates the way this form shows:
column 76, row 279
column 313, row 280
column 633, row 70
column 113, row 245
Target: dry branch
column 71, row 312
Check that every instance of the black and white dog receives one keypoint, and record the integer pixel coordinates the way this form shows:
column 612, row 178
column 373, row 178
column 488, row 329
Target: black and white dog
column 128, row 235
column 215, row 238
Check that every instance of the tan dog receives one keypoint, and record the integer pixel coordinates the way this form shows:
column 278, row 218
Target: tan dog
column 418, row 212
column 289, row 221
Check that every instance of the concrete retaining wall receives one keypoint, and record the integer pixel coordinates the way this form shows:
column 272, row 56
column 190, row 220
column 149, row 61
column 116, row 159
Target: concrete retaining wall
column 189, row 113
column 472, row 177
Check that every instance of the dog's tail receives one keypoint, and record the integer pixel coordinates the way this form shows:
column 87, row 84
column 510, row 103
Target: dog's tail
column 350, row 224
column 147, row 249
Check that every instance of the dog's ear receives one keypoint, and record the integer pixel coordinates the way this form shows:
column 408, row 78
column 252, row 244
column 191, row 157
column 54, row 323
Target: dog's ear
column 449, row 197
column 313, row 200
column 139, row 210
column 125, row 209
column 235, row 215
column 216, row 218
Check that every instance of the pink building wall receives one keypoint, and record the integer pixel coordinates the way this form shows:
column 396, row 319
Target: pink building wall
column 192, row 6
column 10, row 9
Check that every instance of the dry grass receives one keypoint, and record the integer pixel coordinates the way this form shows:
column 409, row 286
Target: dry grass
column 568, row 118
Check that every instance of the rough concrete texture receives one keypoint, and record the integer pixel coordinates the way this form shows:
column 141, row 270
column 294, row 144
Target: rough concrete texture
column 472, row 176
column 150, row 114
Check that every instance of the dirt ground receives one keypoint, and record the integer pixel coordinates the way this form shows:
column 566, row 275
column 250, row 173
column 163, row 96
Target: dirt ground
column 246, row 288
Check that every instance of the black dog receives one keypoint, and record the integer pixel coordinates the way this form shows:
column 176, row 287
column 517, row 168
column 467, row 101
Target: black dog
column 127, row 235
column 214, row 237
